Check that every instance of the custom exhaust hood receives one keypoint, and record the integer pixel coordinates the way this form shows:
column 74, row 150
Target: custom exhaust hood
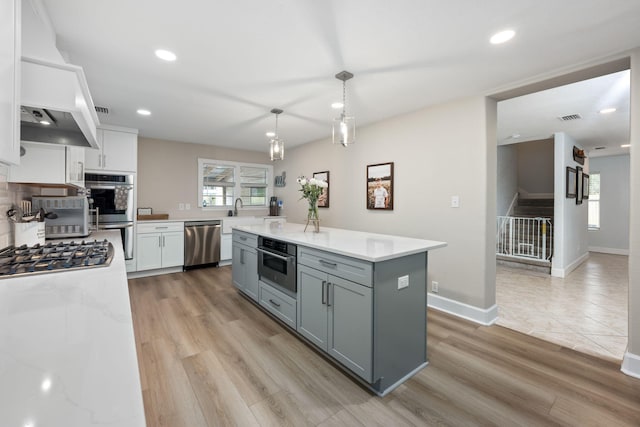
column 56, row 106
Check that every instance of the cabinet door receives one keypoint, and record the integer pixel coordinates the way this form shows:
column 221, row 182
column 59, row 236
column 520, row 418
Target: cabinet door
column 172, row 249
column 238, row 265
column 41, row 163
column 312, row 307
column 225, row 247
column 10, row 81
column 149, row 251
column 119, row 151
column 351, row 325
column 93, row 157
column 251, row 273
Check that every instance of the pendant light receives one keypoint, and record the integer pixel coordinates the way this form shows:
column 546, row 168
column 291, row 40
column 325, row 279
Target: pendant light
column 276, row 145
column 344, row 127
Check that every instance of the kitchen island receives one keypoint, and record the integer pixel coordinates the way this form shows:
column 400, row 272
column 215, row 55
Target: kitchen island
column 67, row 349
column 359, row 297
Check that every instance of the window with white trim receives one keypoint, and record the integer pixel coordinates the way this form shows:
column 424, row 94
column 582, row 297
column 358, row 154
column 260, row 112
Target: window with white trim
column 594, row 201
column 221, row 182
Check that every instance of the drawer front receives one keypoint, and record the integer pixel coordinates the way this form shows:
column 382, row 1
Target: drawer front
column 248, row 239
column 160, row 227
column 348, row 268
column 279, row 304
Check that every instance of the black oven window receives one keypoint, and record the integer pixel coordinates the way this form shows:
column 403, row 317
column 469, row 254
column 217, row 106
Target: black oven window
column 274, row 263
column 105, row 200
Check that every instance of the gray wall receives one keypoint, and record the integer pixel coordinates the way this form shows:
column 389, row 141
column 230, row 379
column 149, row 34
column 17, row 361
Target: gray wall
column 535, row 166
column 613, row 236
column 507, row 185
column 434, row 158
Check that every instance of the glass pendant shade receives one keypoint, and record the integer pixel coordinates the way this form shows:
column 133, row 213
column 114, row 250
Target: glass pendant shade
column 344, row 127
column 276, row 145
column 344, row 130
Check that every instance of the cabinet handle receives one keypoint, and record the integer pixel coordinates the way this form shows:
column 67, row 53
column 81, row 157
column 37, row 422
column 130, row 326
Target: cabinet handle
column 159, row 241
column 243, row 238
column 328, row 294
column 163, row 242
column 241, row 256
column 161, row 228
column 324, row 298
column 274, row 303
column 327, row 263
column 104, row 160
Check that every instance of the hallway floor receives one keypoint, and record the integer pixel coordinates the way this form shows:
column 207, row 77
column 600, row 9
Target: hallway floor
column 587, row 311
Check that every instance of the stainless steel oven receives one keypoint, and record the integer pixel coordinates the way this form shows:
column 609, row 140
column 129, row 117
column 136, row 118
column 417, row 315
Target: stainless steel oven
column 277, row 264
column 112, row 205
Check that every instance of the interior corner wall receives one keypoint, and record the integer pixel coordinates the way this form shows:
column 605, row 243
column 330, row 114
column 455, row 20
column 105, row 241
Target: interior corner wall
column 435, row 157
column 570, row 219
column 613, row 235
column 507, row 179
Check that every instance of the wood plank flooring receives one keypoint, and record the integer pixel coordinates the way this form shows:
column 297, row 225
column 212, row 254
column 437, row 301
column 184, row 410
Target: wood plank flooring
column 209, row 357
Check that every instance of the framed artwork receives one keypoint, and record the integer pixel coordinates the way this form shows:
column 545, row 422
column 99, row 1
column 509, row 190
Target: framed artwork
column 571, row 183
column 579, row 176
column 323, row 200
column 380, row 186
column 585, row 186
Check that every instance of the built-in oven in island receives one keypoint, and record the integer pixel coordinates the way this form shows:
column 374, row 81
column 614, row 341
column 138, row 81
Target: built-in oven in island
column 112, row 202
column 277, row 264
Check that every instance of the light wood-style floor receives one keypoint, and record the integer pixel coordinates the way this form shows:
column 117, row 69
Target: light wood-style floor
column 209, row 357
column 586, row 311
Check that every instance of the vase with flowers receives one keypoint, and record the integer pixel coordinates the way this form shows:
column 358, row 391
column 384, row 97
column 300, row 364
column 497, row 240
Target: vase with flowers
column 311, row 189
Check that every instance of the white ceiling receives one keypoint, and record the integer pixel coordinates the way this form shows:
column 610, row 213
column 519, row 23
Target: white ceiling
column 238, row 59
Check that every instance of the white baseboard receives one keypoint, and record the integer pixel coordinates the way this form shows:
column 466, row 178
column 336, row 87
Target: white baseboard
column 564, row 272
column 612, row 251
column 478, row 315
column 631, row 365
column 147, row 273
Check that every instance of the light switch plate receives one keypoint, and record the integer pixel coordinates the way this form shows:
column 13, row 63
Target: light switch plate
column 180, row 206
column 187, row 206
column 455, row 201
column 403, row 282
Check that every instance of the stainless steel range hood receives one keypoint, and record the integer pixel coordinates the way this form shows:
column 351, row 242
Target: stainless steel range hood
column 56, row 104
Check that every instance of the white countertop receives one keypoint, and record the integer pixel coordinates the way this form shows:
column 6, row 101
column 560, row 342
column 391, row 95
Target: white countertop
column 67, row 349
column 357, row 244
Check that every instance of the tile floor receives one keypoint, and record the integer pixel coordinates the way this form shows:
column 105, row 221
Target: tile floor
column 586, row 311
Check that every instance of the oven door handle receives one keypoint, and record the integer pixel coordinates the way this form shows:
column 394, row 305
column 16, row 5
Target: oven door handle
column 110, row 187
column 284, row 258
column 108, row 226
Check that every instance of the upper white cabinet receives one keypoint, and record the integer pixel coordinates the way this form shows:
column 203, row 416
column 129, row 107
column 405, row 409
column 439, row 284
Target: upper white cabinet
column 118, row 151
column 10, row 81
column 49, row 164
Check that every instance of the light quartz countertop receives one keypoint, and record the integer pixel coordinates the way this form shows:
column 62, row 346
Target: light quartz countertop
column 67, row 349
column 371, row 247
column 219, row 218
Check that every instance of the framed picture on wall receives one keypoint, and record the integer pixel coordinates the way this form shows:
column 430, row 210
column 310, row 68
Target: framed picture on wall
column 579, row 175
column 323, row 200
column 571, row 183
column 585, row 186
column 380, row 186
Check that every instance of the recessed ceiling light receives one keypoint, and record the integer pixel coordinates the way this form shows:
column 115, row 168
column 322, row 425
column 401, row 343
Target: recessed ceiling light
column 607, row 110
column 166, row 55
column 143, row 112
column 44, row 122
column 337, row 105
column 625, row 145
column 502, row 36
column 270, row 134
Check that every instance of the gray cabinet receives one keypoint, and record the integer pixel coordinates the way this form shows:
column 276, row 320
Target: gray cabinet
column 336, row 315
column 245, row 263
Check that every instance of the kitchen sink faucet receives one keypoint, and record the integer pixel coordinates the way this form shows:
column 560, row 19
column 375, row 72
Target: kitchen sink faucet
column 235, row 206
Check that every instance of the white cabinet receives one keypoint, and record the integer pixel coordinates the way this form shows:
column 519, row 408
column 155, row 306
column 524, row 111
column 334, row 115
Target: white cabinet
column 159, row 245
column 49, row 164
column 118, row 152
column 10, row 81
column 225, row 247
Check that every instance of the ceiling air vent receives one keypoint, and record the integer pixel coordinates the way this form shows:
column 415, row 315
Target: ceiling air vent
column 570, row 117
column 102, row 110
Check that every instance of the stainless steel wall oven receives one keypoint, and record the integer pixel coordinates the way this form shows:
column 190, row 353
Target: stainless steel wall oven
column 112, row 200
column 277, row 264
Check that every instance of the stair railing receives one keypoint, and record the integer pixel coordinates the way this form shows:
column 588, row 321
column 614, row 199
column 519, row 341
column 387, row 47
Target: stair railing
column 521, row 237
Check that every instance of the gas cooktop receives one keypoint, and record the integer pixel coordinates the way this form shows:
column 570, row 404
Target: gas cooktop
column 54, row 257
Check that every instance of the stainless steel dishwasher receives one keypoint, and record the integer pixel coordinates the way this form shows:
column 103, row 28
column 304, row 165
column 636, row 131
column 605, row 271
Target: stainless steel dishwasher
column 201, row 243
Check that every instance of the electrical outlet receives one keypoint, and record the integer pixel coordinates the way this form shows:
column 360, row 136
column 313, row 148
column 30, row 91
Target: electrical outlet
column 434, row 287
column 403, row 282
column 187, row 206
column 180, row 206
column 455, row 201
